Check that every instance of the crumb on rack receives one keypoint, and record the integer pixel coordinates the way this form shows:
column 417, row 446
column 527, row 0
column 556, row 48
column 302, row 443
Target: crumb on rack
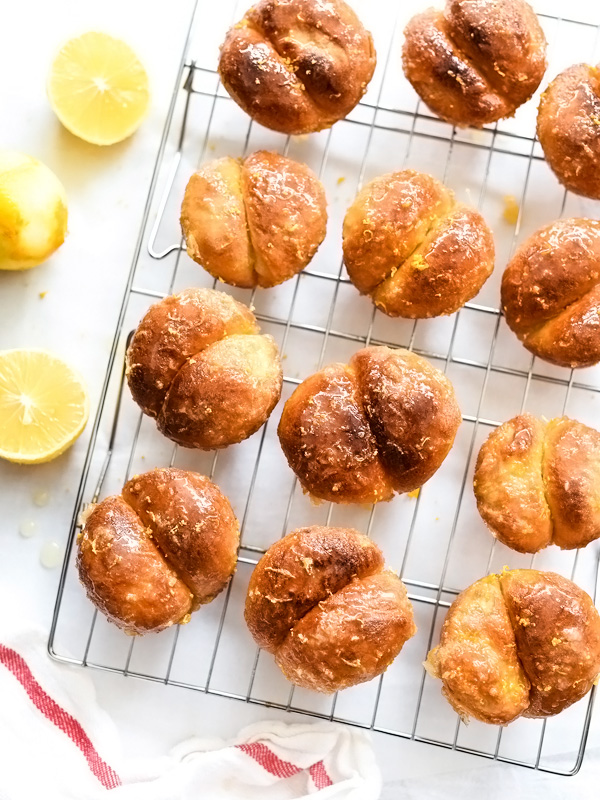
column 42, row 295
column 340, row 180
column 511, row 209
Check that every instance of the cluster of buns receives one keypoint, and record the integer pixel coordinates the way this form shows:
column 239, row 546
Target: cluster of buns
column 152, row 555
column 522, row 643
column 538, row 483
column 358, row 432
column 321, row 601
column 198, row 364
column 477, row 61
column 298, row 66
column 256, row 221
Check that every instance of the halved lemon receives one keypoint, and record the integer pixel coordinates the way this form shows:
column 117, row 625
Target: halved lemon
column 44, row 406
column 98, row 88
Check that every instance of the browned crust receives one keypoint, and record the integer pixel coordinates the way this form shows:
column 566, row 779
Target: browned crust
column 123, row 573
column 192, row 524
column 509, row 488
column 572, row 338
column 412, row 411
column 297, row 66
column 389, row 218
column 555, row 628
column 444, row 79
column 150, row 557
column 197, row 363
column 173, row 330
column 505, row 40
column 320, row 600
column 327, row 441
column 477, row 657
column 538, row 483
column 568, row 127
column 255, row 222
column 350, row 637
column 286, row 214
column 477, row 61
column 223, row 394
column 213, row 222
column 551, row 294
column 572, row 481
column 446, row 271
column 361, row 432
column 413, row 249
column 298, row 572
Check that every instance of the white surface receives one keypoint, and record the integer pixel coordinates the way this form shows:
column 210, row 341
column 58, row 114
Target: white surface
column 84, row 284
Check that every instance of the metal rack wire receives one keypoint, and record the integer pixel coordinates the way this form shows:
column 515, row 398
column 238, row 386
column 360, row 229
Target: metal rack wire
column 471, row 346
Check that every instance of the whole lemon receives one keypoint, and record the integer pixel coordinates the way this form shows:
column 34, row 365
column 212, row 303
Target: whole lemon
column 33, row 211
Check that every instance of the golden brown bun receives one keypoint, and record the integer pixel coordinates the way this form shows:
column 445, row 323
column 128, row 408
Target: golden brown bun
column 359, row 432
column 509, row 486
column 551, row 292
column 415, row 250
column 557, row 630
column 320, row 600
column 192, row 524
column 223, row 394
column 326, row 439
column 521, row 643
column 150, row 557
column 477, row 657
column 297, row 66
column 198, row 364
column 538, row 483
column 477, row 61
column 572, row 482
column 255, row 222
column 568, row 127
column 301, row 570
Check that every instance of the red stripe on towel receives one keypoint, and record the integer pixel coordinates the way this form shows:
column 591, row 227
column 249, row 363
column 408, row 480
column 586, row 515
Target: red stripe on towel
column 319, row 775
column 276, row 766
column 267, row 759
column 57, row 715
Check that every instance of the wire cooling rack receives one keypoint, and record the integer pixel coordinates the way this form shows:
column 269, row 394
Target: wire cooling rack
column 436, row 540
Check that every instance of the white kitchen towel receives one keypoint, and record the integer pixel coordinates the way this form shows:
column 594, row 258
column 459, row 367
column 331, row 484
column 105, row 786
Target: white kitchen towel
column 55, row 742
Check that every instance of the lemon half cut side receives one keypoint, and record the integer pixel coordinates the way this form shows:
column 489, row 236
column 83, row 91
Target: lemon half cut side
column 98, row 88
column 44, row 406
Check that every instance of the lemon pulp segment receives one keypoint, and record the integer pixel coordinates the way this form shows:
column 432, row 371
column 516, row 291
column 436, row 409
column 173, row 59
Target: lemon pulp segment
column 44, row 406
column 98, row 88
